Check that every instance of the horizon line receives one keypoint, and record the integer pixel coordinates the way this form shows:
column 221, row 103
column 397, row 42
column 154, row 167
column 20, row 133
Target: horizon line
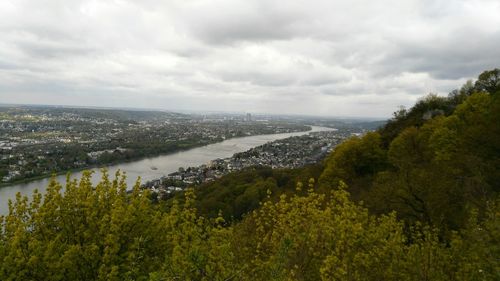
column 194, row 112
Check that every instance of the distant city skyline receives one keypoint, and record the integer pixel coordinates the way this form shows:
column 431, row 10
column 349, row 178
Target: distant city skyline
column 318, row 58
column 242, row 113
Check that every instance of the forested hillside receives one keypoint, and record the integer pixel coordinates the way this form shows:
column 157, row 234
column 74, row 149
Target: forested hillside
column 432, row 163
column 415, row 200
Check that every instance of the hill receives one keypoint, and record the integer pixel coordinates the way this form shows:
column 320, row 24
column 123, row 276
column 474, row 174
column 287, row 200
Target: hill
column 415, row 200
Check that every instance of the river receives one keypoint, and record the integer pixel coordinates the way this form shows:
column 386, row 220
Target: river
column 165, row 164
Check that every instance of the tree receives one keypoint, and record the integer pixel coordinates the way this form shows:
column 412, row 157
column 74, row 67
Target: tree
column 488, row 81
column 355, row 161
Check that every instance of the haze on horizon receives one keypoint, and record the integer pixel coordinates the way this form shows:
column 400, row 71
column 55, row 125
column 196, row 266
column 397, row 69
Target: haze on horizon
column 321, row 57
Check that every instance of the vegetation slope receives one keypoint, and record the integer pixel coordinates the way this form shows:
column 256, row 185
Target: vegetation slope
column 415, row 200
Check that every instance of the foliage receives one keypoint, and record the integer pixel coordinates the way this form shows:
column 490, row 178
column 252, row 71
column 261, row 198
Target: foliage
column 426, row 108
column 425, row 206
column 239, row 193
column 103, row 233
column 434, row 170
column 488, row 81
column 355, row 161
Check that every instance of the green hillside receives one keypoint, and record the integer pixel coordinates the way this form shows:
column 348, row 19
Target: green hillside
column 418, row 199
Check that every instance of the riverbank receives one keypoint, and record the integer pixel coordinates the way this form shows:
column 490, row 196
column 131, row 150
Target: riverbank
column 130, row 160
column 100, row 166
column 165, row 164
column 289, row 153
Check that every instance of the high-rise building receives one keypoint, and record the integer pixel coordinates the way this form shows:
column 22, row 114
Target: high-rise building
column 248, row 118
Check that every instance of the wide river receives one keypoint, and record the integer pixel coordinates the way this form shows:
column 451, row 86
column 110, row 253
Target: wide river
column 165, row 164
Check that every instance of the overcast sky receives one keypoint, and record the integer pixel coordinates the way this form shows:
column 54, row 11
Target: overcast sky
column 337, row 58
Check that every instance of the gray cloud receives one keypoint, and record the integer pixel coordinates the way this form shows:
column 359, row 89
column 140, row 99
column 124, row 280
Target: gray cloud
column 358, row 57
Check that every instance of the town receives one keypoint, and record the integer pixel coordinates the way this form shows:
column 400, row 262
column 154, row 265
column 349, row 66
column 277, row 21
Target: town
column 39, row 141
column 292, row 152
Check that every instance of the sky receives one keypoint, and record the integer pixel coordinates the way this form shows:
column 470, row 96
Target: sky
column 359, row 58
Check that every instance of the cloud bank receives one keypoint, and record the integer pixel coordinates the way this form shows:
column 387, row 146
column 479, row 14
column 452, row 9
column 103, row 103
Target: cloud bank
column 337, row 58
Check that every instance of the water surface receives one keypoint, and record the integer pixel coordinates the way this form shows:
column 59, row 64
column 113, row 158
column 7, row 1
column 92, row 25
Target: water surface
column 165, row 164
